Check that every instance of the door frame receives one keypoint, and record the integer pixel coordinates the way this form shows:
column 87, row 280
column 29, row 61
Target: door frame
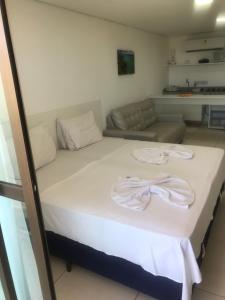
column 30, row 192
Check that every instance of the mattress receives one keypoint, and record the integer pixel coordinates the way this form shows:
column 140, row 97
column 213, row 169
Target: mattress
column 163, row 239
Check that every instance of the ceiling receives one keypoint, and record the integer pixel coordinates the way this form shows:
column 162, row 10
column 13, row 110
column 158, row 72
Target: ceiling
column 164, row 17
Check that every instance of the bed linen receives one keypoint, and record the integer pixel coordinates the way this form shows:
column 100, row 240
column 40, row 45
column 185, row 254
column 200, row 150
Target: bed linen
column 145, row 238
column 69, row 162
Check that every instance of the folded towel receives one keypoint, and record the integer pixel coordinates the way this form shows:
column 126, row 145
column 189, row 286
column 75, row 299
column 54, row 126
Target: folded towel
column 151, row 155
column 135, row 193
column 162, row 154
column 178, row 151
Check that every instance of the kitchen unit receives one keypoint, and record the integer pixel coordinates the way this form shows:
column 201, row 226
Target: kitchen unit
column 212, row 102
column 196, row 70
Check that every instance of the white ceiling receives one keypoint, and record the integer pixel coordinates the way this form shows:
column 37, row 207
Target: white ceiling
column 165, row 17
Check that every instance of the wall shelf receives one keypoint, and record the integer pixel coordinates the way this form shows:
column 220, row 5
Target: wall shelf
column 196, row 65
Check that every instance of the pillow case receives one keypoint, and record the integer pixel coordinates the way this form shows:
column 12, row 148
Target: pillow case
column 43, row 146
column 78, row 132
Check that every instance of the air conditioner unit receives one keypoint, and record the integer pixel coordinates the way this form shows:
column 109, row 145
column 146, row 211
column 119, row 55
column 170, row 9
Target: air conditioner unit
column 206, row 44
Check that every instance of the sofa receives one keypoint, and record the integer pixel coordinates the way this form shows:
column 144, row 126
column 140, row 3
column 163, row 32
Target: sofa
column 139, row 121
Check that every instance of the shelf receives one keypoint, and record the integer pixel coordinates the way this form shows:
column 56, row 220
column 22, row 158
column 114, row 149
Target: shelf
column 196, row 65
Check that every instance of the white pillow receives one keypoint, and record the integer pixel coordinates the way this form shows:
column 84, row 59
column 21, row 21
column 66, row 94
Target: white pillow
column 78, row 132
column 43, row 146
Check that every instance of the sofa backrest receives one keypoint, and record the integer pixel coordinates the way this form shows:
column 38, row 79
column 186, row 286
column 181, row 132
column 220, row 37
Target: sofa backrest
column 135, row 116
column 148, row 112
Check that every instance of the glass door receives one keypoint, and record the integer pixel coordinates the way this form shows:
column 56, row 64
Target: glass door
column 25, row 272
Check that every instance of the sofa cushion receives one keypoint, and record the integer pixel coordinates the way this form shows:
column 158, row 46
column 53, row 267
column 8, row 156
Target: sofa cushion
column 148, row 112
column 131, row 134
column 168, row 132
column 128, row 117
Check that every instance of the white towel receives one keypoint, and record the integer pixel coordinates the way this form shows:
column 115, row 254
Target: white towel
column 161, row 155
column 135, row 193
column 178, row 151
column 151, row 155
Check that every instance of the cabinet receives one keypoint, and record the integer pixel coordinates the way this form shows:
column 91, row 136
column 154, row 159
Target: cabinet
column 206, row 44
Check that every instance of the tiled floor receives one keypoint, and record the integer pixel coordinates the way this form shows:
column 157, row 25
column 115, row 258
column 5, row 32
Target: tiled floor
column 81, row 284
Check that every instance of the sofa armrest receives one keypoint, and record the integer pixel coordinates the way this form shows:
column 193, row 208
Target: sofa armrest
column 171, row 118
column 131, row 134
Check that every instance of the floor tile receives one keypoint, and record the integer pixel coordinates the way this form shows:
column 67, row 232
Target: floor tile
column 213, row 268
column 197, row 295
column 221, row 144
column 144, row 297
column 199, row 142
column 204, row 136
column 58, row 267
column 189, row 141
column 202, row 295
column 192, row 129
column 81, row 284
column 218, row 228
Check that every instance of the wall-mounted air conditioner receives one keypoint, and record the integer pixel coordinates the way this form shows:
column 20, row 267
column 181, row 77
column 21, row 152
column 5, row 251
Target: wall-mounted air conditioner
column 207, row 44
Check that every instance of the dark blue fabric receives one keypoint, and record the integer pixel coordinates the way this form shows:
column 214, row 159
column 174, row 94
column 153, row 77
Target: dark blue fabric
column 114, row 268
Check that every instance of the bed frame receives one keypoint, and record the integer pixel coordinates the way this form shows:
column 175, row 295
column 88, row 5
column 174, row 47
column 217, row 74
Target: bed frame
column 119, row 269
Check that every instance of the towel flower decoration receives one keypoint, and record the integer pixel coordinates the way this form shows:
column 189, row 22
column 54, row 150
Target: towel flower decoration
column 135, row 193
column 161, row 155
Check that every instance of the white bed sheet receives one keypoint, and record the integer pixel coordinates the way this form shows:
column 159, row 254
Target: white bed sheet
column 69, row 162
column 144, row 238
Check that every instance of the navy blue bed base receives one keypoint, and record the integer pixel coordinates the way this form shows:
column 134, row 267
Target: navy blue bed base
column 116, row 268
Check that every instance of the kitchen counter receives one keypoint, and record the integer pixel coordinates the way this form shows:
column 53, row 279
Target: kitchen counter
column 193, row 100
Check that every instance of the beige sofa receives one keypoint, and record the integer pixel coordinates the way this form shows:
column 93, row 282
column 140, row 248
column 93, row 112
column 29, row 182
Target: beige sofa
column 139, row 121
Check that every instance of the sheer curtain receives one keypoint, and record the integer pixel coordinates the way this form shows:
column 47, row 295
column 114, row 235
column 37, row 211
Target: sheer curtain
column 2, row 296
column 6, row 168
column 16, row 234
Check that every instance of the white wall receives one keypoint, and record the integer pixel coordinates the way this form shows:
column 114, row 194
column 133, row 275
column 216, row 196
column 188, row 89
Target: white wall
column 64, row 58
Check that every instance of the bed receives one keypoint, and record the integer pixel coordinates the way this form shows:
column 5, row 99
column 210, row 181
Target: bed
column 73, row 202
column 155, row 251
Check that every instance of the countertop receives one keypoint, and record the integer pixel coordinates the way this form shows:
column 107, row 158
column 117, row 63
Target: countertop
column 194, row 99
column 163, row 96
